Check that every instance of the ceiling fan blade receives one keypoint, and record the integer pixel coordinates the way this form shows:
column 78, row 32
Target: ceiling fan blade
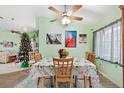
column 17, row 32
column 75, row 8
column 1, row 17
column 53, row 20
column 76, row 18
column 54, row 9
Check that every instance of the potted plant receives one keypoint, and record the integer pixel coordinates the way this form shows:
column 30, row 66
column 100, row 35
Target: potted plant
column 24, row 49
column 63, row 53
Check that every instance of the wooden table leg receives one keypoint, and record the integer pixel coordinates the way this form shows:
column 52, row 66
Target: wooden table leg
column 52, row 81
column 75, row 78
column 41, row 82
column 38, row 81
column 85, row 81
column 90, row 82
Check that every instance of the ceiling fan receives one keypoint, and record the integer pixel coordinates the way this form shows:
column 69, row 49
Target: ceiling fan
column 66, row 14
column 16, row 32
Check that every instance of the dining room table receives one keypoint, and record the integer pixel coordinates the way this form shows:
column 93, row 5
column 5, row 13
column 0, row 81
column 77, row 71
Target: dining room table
column 45, row 68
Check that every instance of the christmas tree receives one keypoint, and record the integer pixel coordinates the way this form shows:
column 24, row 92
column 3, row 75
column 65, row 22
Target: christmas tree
column 24, row 49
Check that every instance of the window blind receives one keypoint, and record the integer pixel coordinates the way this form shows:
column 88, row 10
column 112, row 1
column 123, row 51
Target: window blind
column 107, row 42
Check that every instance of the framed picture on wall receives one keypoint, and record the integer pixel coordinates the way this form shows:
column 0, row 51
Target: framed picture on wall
column 83, row 38
column 7, row 44
column 54, row 38
column 70, row 39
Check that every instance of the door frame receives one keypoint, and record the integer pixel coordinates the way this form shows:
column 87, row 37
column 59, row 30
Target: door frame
column 122, row 15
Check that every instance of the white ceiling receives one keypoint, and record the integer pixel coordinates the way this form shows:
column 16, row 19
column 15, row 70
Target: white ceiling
column 25, row 14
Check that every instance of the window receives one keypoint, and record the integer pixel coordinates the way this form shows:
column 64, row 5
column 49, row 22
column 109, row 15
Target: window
column 107, row 42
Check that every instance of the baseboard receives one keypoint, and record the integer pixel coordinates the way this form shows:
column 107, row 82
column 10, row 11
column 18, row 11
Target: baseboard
column 109, row 78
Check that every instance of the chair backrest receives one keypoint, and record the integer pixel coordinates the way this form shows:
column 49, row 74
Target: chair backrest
column 37, row 56
column 86, row 55
column 31, row 55
column 91, row 57
column 63, row 67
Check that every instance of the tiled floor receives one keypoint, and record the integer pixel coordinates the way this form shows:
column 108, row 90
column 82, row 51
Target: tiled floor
column 10, row 80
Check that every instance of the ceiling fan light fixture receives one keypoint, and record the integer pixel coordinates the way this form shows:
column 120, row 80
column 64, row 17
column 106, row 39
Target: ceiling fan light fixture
column 66, row 20
column 69, row 13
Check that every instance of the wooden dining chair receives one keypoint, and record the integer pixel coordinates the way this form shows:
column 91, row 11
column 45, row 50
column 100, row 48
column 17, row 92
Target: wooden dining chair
column 92, row 57
column 63, row 70
column 87, row 79
column 41, row 80
column 31, row 55
column 31, row 58
column 37, row 56
column 86, row 55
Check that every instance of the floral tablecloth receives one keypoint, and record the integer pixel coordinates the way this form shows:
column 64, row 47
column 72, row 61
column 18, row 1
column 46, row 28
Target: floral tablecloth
column 45, row 68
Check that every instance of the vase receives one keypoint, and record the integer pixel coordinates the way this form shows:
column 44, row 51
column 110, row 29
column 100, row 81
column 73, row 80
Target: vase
column 62, row 56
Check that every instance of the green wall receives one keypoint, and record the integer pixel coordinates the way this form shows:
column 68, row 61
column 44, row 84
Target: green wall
column 111, row 71
column 8, row 36
column 55, row 27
